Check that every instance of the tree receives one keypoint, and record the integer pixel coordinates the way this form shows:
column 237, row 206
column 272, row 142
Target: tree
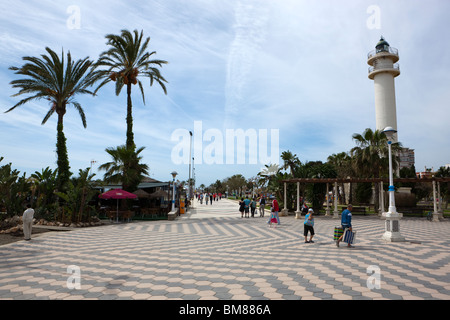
column 58, row 81
column 370, row 156
column 80, row 190
column 342, row 163
column 235, row 183
column 125, row 167
column 445, row 189
column 290, row 161
column 126, row 60
column 44, row 184
column 14, row 190
column 316, row 192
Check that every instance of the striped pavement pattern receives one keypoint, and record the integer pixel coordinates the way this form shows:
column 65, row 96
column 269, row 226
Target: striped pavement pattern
column 212, row 253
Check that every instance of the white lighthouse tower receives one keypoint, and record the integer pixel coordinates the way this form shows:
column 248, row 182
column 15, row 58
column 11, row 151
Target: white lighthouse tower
column 383, row 69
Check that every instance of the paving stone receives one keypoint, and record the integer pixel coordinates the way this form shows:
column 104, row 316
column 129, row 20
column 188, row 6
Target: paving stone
column 213, row 253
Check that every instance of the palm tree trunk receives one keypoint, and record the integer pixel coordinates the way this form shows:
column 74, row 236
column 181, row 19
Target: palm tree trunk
column 130, row 136
column 62, row 160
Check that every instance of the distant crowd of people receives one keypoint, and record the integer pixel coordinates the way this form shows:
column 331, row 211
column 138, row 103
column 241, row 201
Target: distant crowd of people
column 208, row 197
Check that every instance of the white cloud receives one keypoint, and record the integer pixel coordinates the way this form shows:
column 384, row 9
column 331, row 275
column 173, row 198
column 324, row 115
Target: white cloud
column 296, row 66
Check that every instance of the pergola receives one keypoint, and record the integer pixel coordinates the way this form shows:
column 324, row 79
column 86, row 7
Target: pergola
column 435, row 181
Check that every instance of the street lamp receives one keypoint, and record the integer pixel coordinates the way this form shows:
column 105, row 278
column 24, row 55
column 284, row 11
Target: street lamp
column 392, row 224
column 174, row 174
column 190, row 158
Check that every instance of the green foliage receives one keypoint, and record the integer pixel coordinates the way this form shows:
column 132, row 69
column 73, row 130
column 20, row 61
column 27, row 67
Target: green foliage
column 14, row 190
column 63, row 160
column 125, row 168
column 57, row 80
column 126, row 60
column 77, row 196
column 363, row 192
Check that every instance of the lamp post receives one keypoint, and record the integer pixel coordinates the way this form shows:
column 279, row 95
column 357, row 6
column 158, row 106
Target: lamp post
column 190, row 158
column 392, row 224
column 172, row 212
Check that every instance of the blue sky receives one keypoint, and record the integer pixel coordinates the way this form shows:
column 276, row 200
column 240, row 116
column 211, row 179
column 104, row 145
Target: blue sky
column 295, row 67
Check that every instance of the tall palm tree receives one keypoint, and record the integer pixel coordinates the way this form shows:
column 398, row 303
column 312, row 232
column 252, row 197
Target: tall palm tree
column 126, row 61
column 125, row 167
column 58, row 81
column 370, row 155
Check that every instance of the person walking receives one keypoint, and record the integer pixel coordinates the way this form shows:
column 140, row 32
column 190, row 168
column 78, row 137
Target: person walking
column 309, row 226
column 206, row 198
column 27, row 219
column 274, row 212
column 346, row 222
column 242, row 207
column 262, row 203
column 253, row 207
column 247, row 206
column 211, row 198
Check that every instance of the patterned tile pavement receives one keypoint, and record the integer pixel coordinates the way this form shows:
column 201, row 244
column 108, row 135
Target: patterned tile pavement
column 212, row 253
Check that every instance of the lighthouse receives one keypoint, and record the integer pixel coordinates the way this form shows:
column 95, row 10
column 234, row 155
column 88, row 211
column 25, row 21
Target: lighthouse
column 383, row 70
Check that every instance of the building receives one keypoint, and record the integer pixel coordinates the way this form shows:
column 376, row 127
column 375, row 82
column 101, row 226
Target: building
column 407, row 158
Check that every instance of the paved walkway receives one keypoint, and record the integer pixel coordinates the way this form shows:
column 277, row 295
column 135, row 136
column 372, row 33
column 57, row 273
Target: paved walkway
column 213, row 253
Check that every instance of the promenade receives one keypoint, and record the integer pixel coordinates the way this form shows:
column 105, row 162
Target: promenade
column 212, row 253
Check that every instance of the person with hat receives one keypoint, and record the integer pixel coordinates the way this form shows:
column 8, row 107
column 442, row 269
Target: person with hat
column 309, row 226
column 346, row 222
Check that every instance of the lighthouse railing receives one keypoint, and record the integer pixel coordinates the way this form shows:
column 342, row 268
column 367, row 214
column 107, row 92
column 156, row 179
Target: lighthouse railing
column 391, row 50
column 395, row 66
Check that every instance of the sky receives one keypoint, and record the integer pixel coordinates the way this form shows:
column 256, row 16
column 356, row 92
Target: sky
column 288, row 74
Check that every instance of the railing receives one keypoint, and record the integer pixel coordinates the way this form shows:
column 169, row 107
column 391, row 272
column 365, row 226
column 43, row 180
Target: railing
column 396, row 66
column 391, row 50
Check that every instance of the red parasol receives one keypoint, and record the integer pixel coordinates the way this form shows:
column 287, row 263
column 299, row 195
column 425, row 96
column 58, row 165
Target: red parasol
column 117, row 194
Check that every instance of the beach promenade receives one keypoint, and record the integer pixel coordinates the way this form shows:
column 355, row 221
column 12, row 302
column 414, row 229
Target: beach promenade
column 212, row 253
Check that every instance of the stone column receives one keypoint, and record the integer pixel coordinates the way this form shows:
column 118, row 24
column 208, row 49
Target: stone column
column 284, row 212
column 335, row 212
column 381, row 210
column 440, row 209
column 298, row 213
column 435, row 212
column 327, row 211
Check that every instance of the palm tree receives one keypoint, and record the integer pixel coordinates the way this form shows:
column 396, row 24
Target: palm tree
column 290, row 161
column 44, row 183
column 342, row 163
column 58, row 81
column 125, row 167
column 370, row 156
column 126, row 60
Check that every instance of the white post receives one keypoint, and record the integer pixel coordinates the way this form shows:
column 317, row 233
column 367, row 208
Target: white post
column 284, row 212
column 335, row 212
column 327, row 211
column 172, row 214
column 392, row 223
column 435, row 212
column 173, row 195
column 380, row 213
column 440, row 209
column 298, row 213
